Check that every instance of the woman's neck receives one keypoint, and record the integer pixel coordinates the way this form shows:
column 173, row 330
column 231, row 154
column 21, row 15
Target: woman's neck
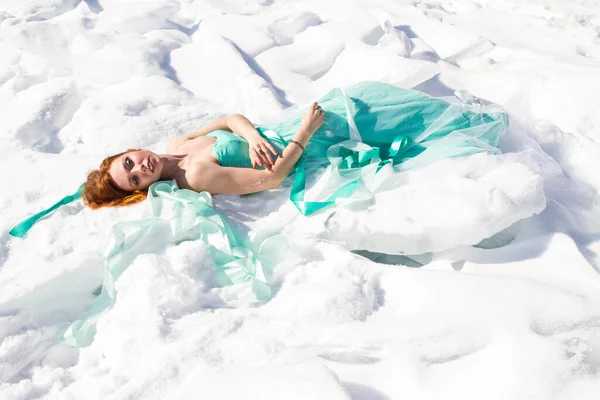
column 172, row 164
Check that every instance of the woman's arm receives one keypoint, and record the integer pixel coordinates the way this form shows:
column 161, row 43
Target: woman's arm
column 261, row 151
column 235, row 123
column 239, row 124
column 225, row 180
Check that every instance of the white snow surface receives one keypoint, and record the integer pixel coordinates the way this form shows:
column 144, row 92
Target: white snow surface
column 472, row 278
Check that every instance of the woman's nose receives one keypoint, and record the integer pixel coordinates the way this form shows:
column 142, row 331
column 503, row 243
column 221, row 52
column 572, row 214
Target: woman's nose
column 140, row 168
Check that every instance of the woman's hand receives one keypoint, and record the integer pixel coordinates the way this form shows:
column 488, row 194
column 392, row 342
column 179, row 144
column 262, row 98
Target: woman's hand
column 313, row 118
column 262, row 152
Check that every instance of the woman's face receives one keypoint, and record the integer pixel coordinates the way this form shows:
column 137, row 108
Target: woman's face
column 136, row 169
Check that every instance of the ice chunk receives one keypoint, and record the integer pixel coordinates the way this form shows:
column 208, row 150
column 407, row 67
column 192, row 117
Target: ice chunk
column 138, row 17
column 38, row 9
column 212, row 67
column 284, row 29
column 36, row 114
column 100, row 60
column 246, row 32
column 139, row 112
column 395, row 40
column 360, row 62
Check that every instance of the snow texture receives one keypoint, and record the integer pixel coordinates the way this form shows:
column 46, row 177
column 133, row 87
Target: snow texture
column 470, row 278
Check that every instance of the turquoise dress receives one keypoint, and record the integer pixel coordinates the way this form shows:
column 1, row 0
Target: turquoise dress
column 231, row 150
column 372, row 131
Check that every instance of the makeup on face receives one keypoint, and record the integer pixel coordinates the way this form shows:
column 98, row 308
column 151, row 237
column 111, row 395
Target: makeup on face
column 136, row 170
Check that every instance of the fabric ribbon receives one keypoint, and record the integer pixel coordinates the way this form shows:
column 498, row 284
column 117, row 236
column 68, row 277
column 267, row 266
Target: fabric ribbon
column 171, row 216
column 21, row 229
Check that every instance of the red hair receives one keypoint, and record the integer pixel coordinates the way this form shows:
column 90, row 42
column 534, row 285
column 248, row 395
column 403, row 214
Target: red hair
column 101, row 191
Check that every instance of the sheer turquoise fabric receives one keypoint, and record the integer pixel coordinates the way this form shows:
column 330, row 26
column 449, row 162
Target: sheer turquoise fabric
column 171, row 216
column 371, row 132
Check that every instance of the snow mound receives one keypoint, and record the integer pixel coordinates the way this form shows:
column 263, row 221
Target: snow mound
column 376, row 64
column 235, row 85
column 137, row 113
column 36, row 115
column 135, row 17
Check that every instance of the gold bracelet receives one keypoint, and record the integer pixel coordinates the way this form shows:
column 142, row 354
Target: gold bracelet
column 293, row 141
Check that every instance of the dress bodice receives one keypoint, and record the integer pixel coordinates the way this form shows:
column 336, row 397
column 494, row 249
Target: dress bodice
column 230, row 149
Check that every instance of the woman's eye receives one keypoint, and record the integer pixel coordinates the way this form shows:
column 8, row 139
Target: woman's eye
column 129, row 163
column 135, row 180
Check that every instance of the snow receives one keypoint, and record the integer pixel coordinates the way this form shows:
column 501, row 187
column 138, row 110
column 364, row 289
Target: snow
column 470, row 278
column 211, row 54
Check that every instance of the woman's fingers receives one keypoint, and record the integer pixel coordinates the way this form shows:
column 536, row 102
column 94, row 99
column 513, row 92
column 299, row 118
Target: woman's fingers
column 264, row 160
column 265, row 153
column 258, row 158
column 313, row 118
column 319, row 110
column 272, row 149
column 268, row 152
column 269, row 157
column 267, row 163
